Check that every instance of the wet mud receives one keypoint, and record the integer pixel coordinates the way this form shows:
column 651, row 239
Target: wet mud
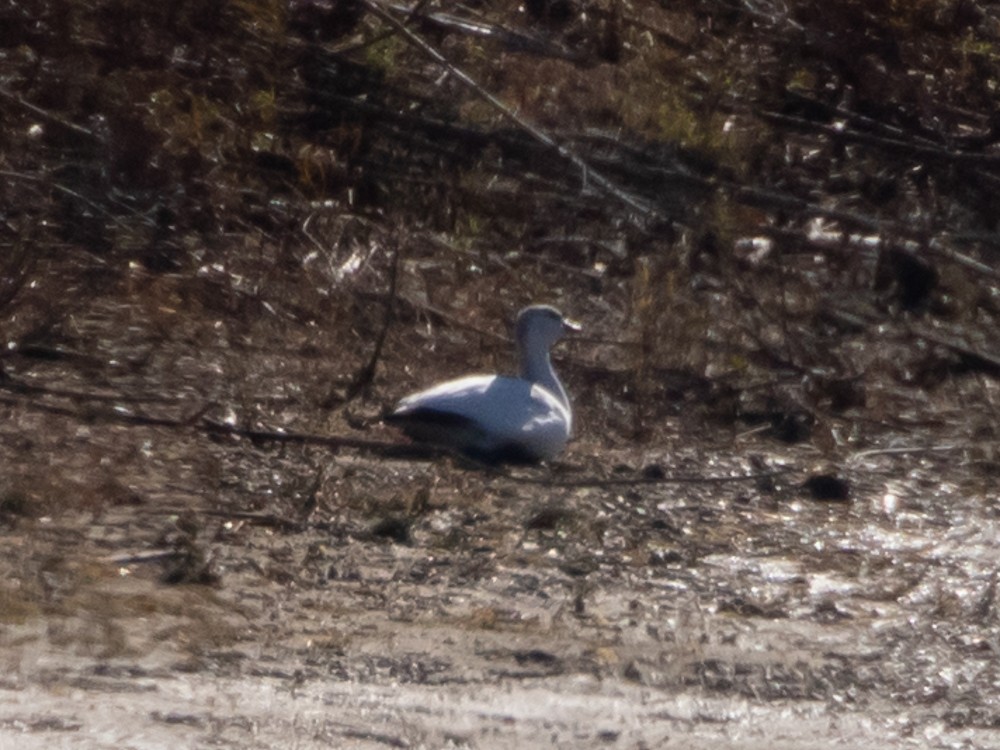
column 167, row 585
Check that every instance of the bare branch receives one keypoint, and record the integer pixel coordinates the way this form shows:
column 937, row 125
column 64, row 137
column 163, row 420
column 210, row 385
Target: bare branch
column 588, row 175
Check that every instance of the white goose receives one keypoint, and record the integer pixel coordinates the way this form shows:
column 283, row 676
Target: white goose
column 494, row 418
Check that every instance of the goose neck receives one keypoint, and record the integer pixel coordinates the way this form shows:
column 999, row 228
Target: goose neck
column 536, row 366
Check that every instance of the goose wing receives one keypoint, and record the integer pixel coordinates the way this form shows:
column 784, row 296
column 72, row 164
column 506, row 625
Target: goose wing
column 483, row 413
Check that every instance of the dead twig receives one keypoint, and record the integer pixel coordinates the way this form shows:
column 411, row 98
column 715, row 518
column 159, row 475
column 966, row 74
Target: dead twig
column 512, row 40
column 197, row 422
column 635, row 481
column 45, row 114
column 44, row 180
column 776, row 200
column 267, row 520
column 367, row 373
column 589, row 175
column 148, row 556
column 956, row 342
column 896, row 145
column 300, row 438
column 16, row 386
column 906, row 451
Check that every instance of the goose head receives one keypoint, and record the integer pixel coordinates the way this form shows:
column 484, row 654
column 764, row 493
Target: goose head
column 541, row 326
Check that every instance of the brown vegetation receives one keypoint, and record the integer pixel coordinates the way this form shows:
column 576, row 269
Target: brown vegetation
column 232, row 232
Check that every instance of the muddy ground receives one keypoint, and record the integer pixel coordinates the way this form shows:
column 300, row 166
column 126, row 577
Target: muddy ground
column 169, row 585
